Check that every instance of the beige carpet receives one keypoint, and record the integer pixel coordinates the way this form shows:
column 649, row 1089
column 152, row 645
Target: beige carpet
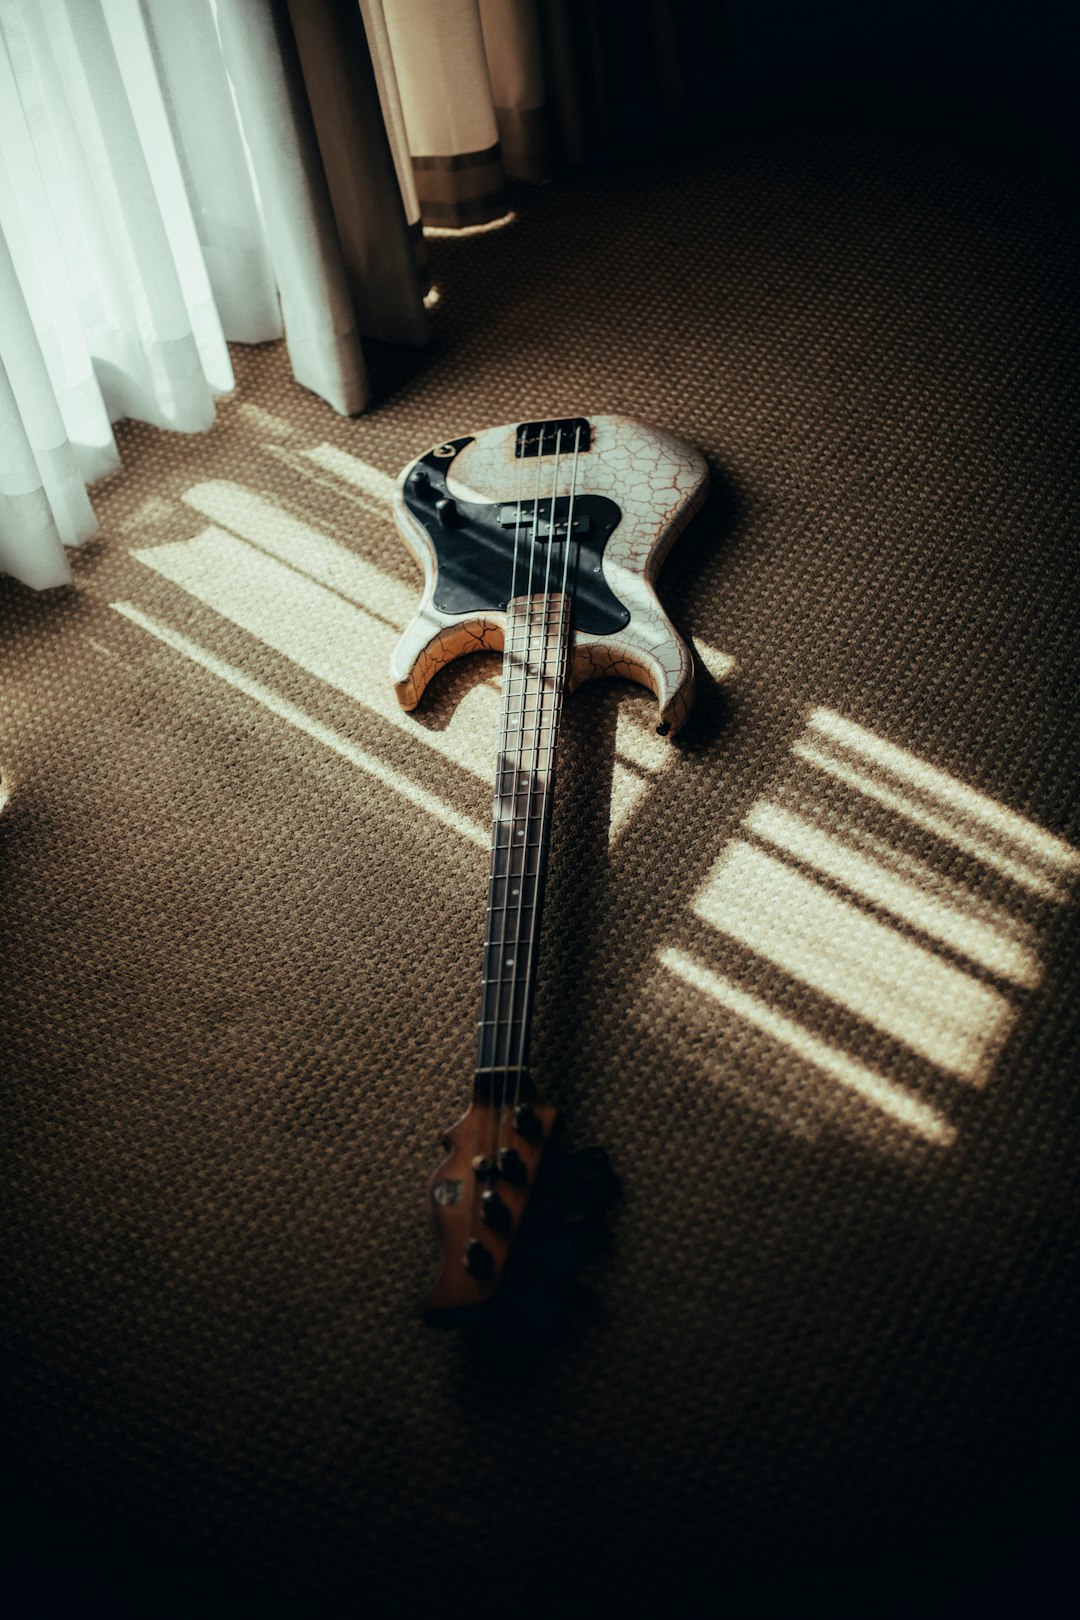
column 809, row 975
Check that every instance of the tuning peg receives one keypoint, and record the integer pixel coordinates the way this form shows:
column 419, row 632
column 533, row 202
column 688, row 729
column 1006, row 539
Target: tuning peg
column 496, row 1213
column 484, row 1167
column 527, row 1123
column 512, row 1166
column 479, row 1260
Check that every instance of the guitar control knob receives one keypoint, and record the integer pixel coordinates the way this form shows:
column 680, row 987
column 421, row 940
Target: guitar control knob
column 496, row 1212
column 479, row 1260
column 447, row 510
column 527, row 1123
column 512, row 1166
column 421, row 481
column 484, row 1167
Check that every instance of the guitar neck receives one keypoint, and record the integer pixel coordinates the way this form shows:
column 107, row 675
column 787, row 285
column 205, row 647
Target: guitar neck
column 534, row 675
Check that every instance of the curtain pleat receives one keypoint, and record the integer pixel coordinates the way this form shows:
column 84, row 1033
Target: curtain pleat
column 515, row 70
column 442, row 77
column 614, row 74
column 209, row 144
column 665, row 31
column 116, row 247
column 382, row 62
column 149, row 124
column 320, row 326
column 41, row 283
column 43, row 503
column 30, row 544
column 380, row 263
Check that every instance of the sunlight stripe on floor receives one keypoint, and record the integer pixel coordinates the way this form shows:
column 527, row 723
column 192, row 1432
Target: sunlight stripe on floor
column 1032, row 841
column 891, row 1099
column 942, row 826
column 963, row 932
column 833, row 945
column 332, row 639
column 336, row 615
column 402, row 785
column 304, row 547
column 369, row 480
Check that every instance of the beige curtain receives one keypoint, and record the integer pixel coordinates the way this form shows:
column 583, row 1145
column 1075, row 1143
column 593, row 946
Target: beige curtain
column 382, row 62
column 439, row 63
column 366, row 196
column 516, row 74
column 474, row 92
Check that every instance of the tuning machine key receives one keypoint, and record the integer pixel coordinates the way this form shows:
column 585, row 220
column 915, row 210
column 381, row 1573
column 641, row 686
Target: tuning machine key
column 479, row 1260
column 527, row 1123
column 496, row 1211
column 512, row 1167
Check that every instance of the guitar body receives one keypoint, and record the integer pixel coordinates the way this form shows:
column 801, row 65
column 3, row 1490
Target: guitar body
column 655, row 484
column 542, row 540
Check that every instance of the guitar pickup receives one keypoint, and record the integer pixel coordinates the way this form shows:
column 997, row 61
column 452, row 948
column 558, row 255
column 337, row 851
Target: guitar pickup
column 513, row 517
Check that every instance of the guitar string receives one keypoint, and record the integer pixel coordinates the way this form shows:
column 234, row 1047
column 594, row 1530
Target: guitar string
column 531, row 773
column 561, row 671
column 499, row 1078
column 532, row 781
column 493, row 957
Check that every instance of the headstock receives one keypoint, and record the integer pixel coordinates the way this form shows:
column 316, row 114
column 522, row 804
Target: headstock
column 478, row 1197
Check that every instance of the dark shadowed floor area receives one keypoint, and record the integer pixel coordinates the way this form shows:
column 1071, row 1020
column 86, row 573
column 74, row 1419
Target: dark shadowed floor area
column 809, row 972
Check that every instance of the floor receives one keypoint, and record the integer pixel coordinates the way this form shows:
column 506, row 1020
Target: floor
column 808, row 976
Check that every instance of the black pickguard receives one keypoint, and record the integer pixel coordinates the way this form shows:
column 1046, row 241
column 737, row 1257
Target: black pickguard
column 474, row 544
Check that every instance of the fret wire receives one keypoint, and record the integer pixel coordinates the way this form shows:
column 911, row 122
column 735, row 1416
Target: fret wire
column 549, row 680
column 507, row 807
column 508, row 657
column 533, row 689
column 562, row 635
column 529, row 615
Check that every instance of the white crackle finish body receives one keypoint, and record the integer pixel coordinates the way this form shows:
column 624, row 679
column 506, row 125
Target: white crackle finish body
column 657, row 482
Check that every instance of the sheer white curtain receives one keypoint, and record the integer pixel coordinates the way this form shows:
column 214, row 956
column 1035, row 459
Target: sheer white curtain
column 175, row 173
column 160, row 190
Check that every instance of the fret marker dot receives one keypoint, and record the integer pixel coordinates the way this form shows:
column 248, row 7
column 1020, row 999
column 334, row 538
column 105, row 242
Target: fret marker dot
column 509, row 961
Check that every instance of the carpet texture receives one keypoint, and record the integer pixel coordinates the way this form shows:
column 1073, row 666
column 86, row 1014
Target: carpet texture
column 808, row 975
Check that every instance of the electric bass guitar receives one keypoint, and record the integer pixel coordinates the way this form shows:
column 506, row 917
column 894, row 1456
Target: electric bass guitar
column 543, row 541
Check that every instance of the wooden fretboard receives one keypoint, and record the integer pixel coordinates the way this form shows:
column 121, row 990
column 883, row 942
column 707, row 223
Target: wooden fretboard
column 534, row 673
